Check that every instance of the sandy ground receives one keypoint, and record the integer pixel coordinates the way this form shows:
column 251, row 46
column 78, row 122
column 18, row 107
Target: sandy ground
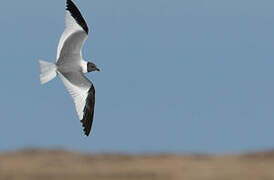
column 60, row 164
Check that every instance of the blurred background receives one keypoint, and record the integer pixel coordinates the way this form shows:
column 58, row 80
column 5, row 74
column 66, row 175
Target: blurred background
column 189, row 81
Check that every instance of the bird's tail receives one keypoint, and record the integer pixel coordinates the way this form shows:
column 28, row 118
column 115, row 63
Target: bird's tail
column 48, row 71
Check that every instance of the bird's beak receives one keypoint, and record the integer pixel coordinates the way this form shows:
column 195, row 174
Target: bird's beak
column 98, row 70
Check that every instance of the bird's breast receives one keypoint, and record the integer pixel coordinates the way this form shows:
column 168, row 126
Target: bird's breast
column 84, row 66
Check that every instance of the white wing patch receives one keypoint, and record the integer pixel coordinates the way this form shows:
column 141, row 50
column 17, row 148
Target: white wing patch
column 79, row 95
column 71, row 27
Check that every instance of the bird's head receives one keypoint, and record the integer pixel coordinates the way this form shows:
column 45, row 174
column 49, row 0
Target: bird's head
column 92, row 67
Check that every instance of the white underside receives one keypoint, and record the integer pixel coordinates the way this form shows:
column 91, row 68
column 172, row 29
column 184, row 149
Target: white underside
column 84, row 66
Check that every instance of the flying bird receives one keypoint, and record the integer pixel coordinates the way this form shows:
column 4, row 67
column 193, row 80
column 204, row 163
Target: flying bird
column 71, row 67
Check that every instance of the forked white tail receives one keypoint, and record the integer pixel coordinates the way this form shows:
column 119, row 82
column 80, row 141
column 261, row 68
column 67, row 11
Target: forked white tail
column 47, row 71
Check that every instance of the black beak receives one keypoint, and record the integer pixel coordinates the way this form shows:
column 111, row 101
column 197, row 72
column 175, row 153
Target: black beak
column 98, row 69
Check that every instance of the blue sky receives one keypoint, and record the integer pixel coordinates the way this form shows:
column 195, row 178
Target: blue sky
column 178, row 76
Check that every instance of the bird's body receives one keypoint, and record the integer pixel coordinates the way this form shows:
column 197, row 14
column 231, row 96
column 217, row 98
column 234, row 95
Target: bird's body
column 71, row 67
column 71, row 64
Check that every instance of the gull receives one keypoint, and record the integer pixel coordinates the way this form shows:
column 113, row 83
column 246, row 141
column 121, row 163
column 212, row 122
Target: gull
column 71, row 68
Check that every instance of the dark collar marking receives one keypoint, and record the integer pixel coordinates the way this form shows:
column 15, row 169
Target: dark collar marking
column 89, row 111
column 76, row 14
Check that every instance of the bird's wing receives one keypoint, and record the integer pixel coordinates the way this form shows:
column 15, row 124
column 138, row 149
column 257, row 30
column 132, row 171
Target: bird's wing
column 75, row 34
column 83, row 95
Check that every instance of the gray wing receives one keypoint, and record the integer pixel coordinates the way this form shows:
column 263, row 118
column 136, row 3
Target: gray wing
column 78, row 79
column 75, row 34
column 83, row 93
column 72, row 47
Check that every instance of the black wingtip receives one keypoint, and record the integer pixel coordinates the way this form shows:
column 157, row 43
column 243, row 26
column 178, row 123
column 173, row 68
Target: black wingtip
column 76, row 14
column 89, row 111
column 85, row 129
